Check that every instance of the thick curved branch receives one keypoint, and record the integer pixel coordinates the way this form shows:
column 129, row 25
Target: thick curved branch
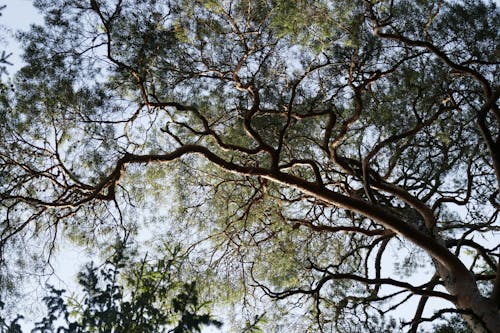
column 378, row 214
column 307, row 162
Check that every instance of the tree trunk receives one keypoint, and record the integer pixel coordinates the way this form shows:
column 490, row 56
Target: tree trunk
column 481, row 314
column 485, row 317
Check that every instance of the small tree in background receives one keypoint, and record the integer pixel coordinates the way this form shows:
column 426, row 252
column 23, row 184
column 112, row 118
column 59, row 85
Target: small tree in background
column 146, row 297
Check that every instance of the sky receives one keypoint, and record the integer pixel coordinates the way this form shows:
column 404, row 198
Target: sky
column 18, row 15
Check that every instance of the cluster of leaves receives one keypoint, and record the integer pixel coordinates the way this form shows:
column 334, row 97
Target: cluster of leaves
column 454, row 324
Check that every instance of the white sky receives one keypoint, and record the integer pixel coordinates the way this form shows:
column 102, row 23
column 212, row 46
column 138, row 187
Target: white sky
column 18, row 14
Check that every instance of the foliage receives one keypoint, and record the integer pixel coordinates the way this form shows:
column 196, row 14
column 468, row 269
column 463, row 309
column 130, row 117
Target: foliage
column 455, row 324
column 145, row 298
column 315, row 158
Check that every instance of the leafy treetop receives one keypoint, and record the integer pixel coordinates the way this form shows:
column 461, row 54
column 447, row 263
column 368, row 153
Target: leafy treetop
column 301, row 143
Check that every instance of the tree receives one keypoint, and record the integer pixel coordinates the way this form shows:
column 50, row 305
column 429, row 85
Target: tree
column 301, row 142
column 147, row 298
